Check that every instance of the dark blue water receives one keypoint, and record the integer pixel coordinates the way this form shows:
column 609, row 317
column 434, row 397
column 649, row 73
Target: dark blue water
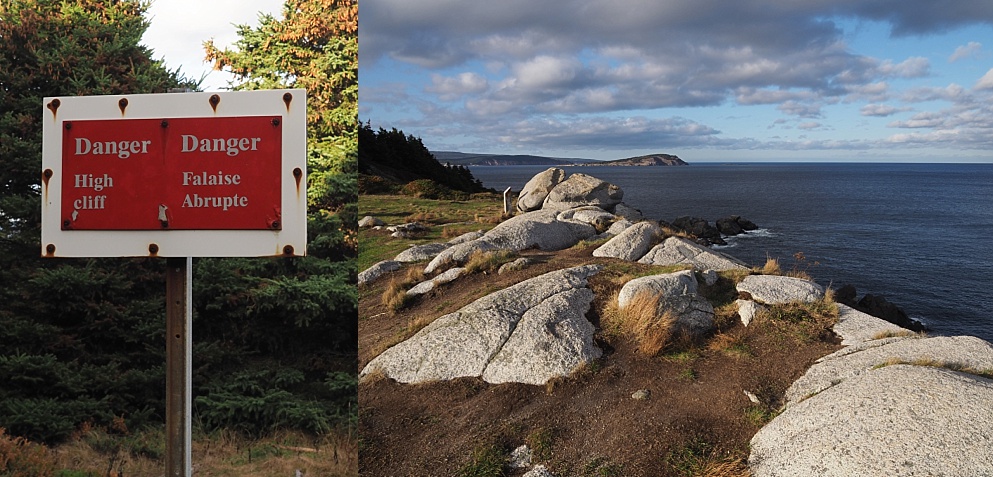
column 917, row 234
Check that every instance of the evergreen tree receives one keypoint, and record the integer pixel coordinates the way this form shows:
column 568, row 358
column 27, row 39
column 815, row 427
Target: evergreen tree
column 313, row 299
column 82, row 340
column 75, row 335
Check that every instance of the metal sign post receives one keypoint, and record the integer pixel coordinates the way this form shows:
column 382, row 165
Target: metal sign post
column 176, row 176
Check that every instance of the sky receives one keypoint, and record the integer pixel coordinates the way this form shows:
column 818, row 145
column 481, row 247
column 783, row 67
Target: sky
column 179, row 28
column 708, row 80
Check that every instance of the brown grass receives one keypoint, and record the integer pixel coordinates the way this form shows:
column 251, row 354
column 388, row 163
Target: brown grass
column 728, row 467
column 771, row 267
column 640, row 319
column 481, row 261
column 395, row 296
column 94, row 451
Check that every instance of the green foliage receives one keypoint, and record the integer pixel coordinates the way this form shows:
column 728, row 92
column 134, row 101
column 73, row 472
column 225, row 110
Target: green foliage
column 403, row 158
column 261, row 401
column 82, row 341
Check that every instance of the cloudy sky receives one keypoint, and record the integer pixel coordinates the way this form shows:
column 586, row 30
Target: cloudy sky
column 179, row 28
column 865, row 80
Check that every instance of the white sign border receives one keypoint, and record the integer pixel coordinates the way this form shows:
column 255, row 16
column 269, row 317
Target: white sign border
column 291, row 240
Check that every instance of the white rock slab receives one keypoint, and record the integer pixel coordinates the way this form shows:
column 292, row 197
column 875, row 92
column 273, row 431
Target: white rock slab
column 845, row 365
column 779, row 290
column 893, row 421
column 419, row 253
column 551, row 339
column 370, row 274
column 632, row 244
column 680, row 251
column 856, row 327
column 463, row 343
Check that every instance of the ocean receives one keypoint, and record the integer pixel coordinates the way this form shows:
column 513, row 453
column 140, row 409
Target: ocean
column 917, row 234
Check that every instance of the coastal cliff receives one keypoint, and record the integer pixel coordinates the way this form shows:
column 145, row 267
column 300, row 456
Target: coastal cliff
column 592, row 318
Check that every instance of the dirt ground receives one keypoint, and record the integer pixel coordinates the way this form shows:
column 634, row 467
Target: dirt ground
column 586, row 424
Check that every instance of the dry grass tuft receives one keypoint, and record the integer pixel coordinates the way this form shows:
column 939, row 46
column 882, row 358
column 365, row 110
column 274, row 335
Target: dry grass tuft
column 640, row 319
column 733, row 343
column 488, row 261
column 422, row 217
column 771, row 267
column 491, row 219
column 728, row 467
column 895, row 334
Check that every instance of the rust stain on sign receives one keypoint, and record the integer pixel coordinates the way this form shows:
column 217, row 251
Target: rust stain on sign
column 53, row 106
column 214, row 101
column 287, row 98
column 123, row 104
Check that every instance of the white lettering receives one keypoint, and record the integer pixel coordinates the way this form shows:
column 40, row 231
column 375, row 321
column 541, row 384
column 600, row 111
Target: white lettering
column 122, row 149
column 231, row 146
column 82, row 146
column 204, row 179
column 223, row 203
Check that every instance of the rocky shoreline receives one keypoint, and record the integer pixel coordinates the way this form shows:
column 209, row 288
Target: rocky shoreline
column 891, row 402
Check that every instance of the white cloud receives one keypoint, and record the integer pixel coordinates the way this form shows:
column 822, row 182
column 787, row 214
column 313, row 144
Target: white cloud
column 967, row 51
column 178, row 29
column 880, row 110
column 986, row 82
column 452, row 88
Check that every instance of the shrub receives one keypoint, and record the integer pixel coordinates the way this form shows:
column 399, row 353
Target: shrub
column 22, row 458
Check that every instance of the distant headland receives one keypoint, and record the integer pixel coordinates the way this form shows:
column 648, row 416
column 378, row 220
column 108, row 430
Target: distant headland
column 476, row 159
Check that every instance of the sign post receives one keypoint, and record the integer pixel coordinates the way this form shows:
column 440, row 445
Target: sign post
column 175, row 176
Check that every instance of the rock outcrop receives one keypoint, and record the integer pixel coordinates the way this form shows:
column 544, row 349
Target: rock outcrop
column 895, row 421
column 631, row 244
column 540, row 229
column 677, row 295
column 681, row 251
column 529, row 333
column 370, row 274
column 533, row 194
column 579, row 190
column 894, row 406
column 779, row 290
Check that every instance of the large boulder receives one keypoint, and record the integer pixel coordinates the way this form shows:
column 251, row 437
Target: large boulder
column 632, row 243
column 418, row 253
column 552, row 308
column 680, row 251
column 677, row 294
column 854, row 361
column 878, row 306
column 533, row 194
column 896, row 421
column 734, row 225
column 780, row 290
column 372, row 273
column 699, row 228
column 552, row 339
column 579, row 190
column 856, row 327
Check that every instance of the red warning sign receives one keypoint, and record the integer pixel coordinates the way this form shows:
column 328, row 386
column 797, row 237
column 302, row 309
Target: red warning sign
column 219, row 173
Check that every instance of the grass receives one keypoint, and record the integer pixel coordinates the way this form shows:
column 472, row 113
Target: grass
column 97, row 452
column 439, row 215
column 395, row 296
column 481, row 261
column 487, row 461
column 937, row 363
column 640, row 319
column 602, row 467
column 540, row 442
